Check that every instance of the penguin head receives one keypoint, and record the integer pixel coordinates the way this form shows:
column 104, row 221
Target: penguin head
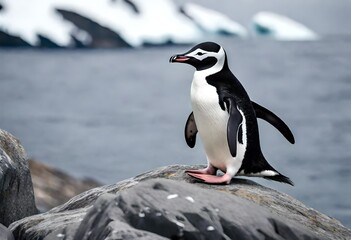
column 203, row 56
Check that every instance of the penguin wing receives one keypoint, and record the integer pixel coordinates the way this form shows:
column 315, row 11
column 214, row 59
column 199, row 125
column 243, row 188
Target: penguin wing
column 273, row 119
column 233, row 126
column 190, row 131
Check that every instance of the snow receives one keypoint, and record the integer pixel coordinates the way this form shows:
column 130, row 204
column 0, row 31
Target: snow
column 82, row 36
column 212, row 21
column 136, row 29
column 171, row 196
column 180, row 224
column 280, row 27
column 159, row 21
column 18, row 20
column 190, row 199
column 210, row 228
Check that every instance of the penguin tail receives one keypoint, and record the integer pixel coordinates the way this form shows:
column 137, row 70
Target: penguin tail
column 280, row 178
column 277, row 176
column 261, row 168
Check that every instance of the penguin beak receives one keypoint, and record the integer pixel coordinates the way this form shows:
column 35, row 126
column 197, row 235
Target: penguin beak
column 179, row 58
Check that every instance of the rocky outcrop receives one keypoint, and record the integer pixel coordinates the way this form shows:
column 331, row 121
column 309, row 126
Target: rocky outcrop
column 53, row 187
column 16, row 190
column 161, row 204
column 8, row 40
column 162, row 208
column 168, row 209
column 5, row 234
column 101, row 37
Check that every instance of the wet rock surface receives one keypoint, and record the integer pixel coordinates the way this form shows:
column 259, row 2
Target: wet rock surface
column 16, row 190
column 131, row 199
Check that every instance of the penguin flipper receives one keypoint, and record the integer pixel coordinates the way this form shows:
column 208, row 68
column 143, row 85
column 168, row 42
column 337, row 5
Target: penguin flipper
column 190, row 131
column 273, row 119
column 234, row 125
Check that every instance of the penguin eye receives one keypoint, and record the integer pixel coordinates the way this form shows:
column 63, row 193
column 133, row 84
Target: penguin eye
column 199, row 53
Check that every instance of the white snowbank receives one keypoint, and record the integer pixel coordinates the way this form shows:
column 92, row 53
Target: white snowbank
column 280, row 27
column 212, row 21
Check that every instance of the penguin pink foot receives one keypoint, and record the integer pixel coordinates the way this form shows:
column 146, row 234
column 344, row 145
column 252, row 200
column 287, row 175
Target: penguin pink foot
column 210, row 170
column 208, row 178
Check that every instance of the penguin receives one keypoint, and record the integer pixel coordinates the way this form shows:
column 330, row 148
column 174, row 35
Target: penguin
column 226, row 120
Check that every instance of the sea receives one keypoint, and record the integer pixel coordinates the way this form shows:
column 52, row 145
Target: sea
column 111, row 114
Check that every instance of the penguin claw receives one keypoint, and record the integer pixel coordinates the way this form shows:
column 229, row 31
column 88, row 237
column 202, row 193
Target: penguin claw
column 207, row 178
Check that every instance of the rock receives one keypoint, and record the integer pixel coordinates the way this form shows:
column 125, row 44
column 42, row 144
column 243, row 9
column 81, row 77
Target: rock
column 5, row 234
column 16, row 190
column 174, row 210
column 283, row 208
column 9, row 40
column 45, row 42
column 102, row 37
column 102, row 222
column 53, row 187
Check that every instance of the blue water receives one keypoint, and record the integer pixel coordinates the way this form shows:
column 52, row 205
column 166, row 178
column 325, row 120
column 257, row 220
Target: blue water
column 112, row 114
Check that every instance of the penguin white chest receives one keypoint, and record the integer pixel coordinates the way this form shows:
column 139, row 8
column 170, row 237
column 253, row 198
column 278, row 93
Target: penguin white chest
column 211, row 122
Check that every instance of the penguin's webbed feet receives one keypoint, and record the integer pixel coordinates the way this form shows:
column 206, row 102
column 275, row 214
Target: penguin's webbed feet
column 208, row 175
column 211, row 170
column 214, row 179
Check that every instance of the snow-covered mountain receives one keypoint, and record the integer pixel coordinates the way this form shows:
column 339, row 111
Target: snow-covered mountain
column 129, row 23
column 109, row 23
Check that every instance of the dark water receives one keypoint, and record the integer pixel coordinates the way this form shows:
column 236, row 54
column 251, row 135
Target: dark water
column 112, row 114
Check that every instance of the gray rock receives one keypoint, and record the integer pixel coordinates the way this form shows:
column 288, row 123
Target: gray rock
column 5, row 234
column 66, row 233
column 53, row 187
column 102, row 222
column 101, row 36
column 16, row 190
column 284, row 208
column 177, row 210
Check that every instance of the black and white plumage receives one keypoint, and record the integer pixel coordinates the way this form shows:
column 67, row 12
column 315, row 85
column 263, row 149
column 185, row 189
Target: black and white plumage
column 226, row 119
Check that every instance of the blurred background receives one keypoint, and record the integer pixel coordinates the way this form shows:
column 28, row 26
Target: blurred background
column 87, row 87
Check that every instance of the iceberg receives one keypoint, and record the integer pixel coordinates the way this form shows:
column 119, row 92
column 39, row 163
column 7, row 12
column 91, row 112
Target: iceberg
column 213, row 22
column 272, row 25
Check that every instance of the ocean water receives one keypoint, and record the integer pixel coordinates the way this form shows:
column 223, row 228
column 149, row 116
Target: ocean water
column 113, row 114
